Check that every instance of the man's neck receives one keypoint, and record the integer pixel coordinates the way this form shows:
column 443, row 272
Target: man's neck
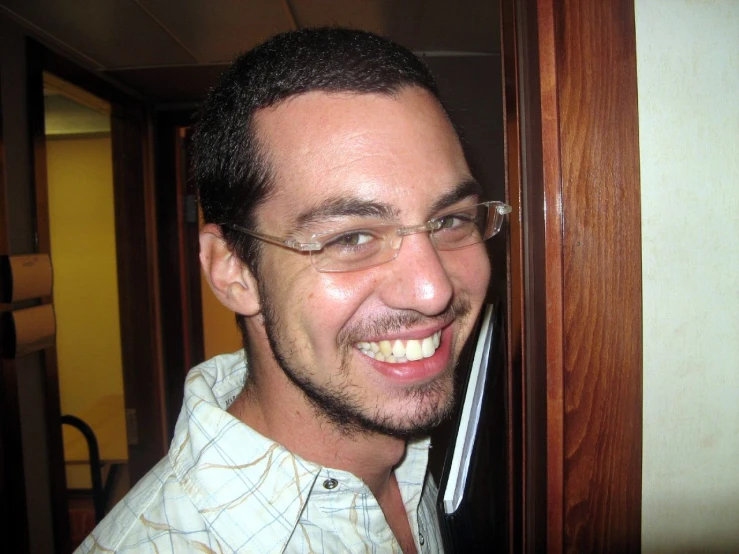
column 282, row 413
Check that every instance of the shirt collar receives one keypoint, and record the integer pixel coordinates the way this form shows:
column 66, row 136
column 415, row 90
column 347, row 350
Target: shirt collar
column 242, row 482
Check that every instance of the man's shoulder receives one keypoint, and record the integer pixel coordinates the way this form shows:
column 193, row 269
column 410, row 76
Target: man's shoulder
column 155, row 516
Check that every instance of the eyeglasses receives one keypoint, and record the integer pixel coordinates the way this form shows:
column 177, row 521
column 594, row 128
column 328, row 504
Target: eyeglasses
column 364, row 247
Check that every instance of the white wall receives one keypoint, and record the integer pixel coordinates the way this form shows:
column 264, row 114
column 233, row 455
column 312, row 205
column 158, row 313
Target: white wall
column 688, row 77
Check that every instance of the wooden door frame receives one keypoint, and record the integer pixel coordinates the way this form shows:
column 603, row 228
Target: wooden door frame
column 179, row 275
column 13, row 517
column 573, row 156
column 137, row 266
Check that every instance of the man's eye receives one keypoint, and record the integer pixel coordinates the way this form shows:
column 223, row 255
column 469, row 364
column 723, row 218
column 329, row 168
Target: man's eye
column 354, row 238
column 454, row 220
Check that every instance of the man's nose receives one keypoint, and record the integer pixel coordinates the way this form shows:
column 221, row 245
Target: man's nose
column 419, row 280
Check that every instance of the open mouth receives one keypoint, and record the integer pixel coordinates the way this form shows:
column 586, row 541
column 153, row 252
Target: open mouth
column 401, row 351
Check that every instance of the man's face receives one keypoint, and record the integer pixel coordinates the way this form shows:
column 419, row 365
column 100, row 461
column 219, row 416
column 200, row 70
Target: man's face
column 340, row 161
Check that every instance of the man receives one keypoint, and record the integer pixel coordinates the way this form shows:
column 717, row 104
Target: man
column 343, row 225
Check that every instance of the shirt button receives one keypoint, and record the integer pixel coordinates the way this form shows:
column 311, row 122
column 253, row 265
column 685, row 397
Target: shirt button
column 421, row 539
column 330, row 484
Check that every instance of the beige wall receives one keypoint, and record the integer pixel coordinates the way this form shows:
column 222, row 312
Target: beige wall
column 688, row 76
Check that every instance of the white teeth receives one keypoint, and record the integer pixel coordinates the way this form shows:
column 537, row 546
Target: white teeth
column 386, row 348
column 401, row 351
column 427, row 347
column 413, row 350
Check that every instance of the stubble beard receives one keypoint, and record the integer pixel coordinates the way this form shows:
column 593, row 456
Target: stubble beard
column 343, row 404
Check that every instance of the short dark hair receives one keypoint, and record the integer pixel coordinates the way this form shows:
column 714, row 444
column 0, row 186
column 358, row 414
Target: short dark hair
column 229, row 164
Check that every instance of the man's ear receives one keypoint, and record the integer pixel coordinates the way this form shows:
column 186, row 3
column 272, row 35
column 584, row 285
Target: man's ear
column 229, row 278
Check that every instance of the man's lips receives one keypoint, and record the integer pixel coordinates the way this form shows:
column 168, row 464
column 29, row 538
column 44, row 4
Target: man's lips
column 404, row 370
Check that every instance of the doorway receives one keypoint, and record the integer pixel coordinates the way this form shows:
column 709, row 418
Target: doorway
column 94, row 215
column 86, row 301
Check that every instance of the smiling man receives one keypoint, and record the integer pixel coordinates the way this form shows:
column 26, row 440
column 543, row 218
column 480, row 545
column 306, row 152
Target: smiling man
column 345, row 229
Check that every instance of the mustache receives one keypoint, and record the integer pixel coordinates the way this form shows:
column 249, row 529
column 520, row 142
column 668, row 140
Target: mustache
column 459, row 308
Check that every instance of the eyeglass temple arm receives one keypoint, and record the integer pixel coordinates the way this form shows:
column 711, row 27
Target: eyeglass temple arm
column 279, row 241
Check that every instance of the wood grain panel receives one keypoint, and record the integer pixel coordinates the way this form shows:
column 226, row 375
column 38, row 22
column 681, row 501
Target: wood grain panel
column 601, row 261
column 582, row 275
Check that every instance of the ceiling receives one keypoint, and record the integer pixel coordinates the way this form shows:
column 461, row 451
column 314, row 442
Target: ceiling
column 172, row 50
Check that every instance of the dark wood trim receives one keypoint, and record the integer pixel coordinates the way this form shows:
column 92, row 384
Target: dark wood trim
column 582, row 275
column 553, row 281
column 515, row 417
column 528, row 341
column 4, row 246
column 190, row 250
column 137, row 284
column 179, row 275
column 13, row 516
column 12, row 481
column 52, row 401
column 79, row 76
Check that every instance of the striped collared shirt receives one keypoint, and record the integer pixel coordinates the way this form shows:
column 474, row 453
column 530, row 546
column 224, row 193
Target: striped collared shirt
column 223, row 487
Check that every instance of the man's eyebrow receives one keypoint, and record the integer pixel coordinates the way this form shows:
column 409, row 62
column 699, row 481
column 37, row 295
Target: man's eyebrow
column 465, row 189
column 344, row 207
column 355, row 207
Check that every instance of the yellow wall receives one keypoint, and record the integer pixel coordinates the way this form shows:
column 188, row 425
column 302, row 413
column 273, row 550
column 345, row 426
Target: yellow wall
column 83, row 251
column 220, row 333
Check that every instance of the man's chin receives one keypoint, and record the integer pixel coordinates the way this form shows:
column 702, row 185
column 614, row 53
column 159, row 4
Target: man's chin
column 414, row 417
column 412, row 430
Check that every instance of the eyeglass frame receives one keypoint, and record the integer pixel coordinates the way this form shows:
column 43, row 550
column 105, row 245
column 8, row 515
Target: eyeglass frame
column 401, row 231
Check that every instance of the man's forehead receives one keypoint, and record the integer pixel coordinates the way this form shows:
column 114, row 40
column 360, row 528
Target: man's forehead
column 366, row 155
column 314, row 112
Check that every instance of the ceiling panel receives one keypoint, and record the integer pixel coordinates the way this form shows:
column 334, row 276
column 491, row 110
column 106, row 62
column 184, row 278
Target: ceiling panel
column 170, row 50
column 217, row 31
column 110, row 33
column 390, row 18
column 429, row 25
